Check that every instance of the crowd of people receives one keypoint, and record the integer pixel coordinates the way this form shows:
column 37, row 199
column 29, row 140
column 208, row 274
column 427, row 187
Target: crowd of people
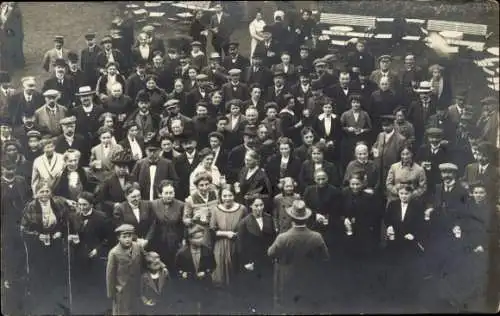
column 158, row 174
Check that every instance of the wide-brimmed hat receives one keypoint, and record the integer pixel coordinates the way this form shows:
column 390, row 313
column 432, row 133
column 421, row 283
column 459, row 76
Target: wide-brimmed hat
column 84, row 91
column 298, row 210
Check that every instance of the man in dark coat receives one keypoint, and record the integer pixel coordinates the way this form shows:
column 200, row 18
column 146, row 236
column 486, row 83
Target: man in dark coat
column 163, row 170
column 221, row 26
column 340, row 93
column 62, row 83
column 147, row 121
column 235, row 89
column 257, row 72
column 269, row 49
column 361, row 58
column 235, row 60
column 27, row 101
column 69, row 139
column 109, row 54
column 299, row 254
column 420, row 110
column 236, row 157
column 136, row 81
column 73, row 70
column 87, row 113
column 186, row 163
column 88, row 60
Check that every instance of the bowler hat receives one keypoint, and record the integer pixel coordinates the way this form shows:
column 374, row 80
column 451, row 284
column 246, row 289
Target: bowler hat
column 142, row 96
column 60, row 62
column 434, row 132
column 73, row 57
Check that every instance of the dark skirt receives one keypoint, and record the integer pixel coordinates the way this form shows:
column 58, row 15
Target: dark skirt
column 48, row 267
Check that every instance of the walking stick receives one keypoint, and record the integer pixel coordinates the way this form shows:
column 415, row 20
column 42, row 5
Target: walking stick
column 70, row 294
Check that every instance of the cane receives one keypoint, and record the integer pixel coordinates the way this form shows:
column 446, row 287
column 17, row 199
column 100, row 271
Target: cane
column 70, row 294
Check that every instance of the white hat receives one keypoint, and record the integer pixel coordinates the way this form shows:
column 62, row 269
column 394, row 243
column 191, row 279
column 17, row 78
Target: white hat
column 83, row 91
column 28, row 81
column 51, row 93
column 234, row 71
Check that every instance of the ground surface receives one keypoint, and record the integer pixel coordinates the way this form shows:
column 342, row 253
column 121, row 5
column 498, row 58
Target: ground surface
column 73, row 19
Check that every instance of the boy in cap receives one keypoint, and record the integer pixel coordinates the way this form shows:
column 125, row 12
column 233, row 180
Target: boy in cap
column 58, row 52
column 88, row 59
column 123, row 272
column 153, row 284
column 235, row 59
column 33, row 148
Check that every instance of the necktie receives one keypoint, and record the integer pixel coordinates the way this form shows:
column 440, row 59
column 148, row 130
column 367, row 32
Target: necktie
column 28, row 98
column 60, row 82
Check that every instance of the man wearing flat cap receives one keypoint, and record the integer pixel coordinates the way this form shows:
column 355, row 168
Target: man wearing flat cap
column 48, row 117
column 257, row 72
column 235, row 60
column 198, row 58
column 487, row 123
column 88, row 59
column 277, row 92
column 110, row 54
column 327, row 79
column 296, row 277
column 384, row 71
column 136, row 81
column 221, row 26
column 215, row 72
column 71, row 140
column 27, row 100
column 58, row 52
column 62, row 82
column 236, row 156
column 484, row 169
column 456, row 110
column 235, row 89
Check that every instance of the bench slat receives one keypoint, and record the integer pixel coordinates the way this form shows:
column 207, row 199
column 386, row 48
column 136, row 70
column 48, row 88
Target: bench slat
column 344, row 19
column 477, row 46
column 467, row 28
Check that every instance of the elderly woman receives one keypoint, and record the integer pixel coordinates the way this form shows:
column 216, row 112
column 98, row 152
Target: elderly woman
column 157, row 96
column 200, row 206
column 406, row 171
column 178, row 93
column 73, row 179
column 362, row 163
column 215, row 106
column 137, row 213
column 224, row 223
column 49, row 166
column 252, row 180
column 316, row 161
column 206, row 165
column 441, row 86
column 106, row 81
column 44, row 228
column 256, row 28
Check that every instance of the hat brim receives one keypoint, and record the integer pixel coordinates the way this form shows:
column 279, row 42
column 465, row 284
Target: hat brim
column 423, row 90
column 291, row 213
column 84, row 93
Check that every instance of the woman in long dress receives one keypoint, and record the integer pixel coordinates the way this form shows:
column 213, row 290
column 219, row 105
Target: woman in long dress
column 256, row 27
column 224, row 223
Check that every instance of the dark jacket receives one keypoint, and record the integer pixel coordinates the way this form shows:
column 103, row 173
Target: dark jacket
column 164, row 171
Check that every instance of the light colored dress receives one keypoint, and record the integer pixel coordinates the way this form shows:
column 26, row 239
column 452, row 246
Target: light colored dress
column 256, row 27
column 224, row 248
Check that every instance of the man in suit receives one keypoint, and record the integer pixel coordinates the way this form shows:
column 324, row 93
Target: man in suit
column 73, row 70
column 136, row 81
column 421, row 110
column 87, row 113
column 322, row 75
column 340, row 92
column 302, row 91
column 297, row 250
column 236, row 156
column 487, row 123
column 109, row 54
column 455, row 111
column 150, row 171
column 169, row 230
column 62, row 83
column 143, row 52
column 69, row 139
column 58, row 52
column 484, row 170
column 234, row 89
column 196, row 95
column 88, row 60
column 186, row 163
column 215, row 72
column 48, row 117
column 26, row 101
column 411, row 74
column 257, row 72
column 387, row 147
column 268, row 48
column 384, row 70
column 235, row 60
column 147, row 121
column 155, row 43
column 6, row 93
column 222, row 28
column 277, row 92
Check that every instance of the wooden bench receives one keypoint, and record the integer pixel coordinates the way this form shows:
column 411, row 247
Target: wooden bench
column 348, row 20
column 193, row 5
column 473, row 29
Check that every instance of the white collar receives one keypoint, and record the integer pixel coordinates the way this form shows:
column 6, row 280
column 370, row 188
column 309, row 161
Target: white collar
column 389, row 135
column 69, row 138
column 132, row 140
column 253, row 170
column 484, row 166
column 322, row 116
column 191, row 156
column 89, row 213
column 285, row 159
column 200, row 53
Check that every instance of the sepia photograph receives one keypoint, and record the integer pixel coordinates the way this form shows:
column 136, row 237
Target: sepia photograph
column 250, row 157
